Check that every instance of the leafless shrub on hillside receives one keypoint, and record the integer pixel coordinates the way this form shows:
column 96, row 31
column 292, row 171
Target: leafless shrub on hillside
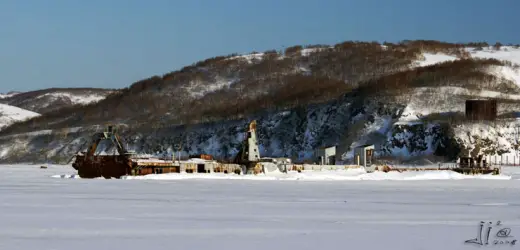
column 497, row 46
column 293, row 50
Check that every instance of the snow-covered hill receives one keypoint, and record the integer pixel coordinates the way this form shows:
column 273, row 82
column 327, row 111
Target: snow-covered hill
column 47, row 100
column 420, row 119
column 10, row 114
column 8, row 95
column 416, row 132
column 507, row 53
column 74, row 99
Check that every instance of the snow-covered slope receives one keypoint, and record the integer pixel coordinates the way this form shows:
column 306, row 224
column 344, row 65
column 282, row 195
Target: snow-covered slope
column 8, row 95
column 46, row 100
column 10, row 114
column 74, row 99
column 431, row 59
column 507, row 53
column 405, row 126
column 198, row 89
column 426, row 101
column 417, row 131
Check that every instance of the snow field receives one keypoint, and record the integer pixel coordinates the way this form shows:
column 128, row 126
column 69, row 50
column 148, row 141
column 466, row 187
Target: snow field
column 340, row 175
column 40, row 212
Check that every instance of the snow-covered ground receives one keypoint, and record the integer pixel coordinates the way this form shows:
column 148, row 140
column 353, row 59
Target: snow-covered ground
column 75, row 98
column 424, row 101
column 198, row 89
column 508, row 73
column 507, row 53
column 10, row 114
column 38, row 211
column 431, row 59
column 248, row 57
column 10, row 94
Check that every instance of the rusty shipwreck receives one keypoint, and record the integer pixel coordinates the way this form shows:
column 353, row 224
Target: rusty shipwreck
column 89, row 164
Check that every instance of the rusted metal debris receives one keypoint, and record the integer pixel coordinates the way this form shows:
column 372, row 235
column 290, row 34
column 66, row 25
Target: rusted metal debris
column 247, row 161
column 458, row 169
column 125, row 162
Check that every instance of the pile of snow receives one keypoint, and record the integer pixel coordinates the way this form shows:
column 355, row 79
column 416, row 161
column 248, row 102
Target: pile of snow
column 326, row 175
column 67, row 176
column 10, row 114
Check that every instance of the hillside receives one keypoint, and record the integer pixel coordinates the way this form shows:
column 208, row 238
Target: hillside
column 49, row 100
column 8, row 95
column 11, row 114
column 238, row 85
column 406, row 98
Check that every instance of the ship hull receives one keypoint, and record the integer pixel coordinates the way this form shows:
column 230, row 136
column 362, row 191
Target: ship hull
column 102, row 166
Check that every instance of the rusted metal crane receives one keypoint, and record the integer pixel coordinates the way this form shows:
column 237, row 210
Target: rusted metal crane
column 90, row 165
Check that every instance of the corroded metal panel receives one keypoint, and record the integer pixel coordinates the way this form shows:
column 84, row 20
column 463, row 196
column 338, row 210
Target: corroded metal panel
column 481, row 110
column 102, row 166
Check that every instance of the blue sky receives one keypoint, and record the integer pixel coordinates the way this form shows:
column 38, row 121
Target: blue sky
column 113, row 43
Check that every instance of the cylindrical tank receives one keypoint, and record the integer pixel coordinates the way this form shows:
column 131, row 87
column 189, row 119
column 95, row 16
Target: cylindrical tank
column 481, row 109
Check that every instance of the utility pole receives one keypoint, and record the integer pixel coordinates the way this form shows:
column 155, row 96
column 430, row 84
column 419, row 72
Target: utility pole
column 517, row 139
column 179, row 147
column 173, row 154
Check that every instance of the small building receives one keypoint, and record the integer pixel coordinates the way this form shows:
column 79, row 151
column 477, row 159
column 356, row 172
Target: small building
column 364, row 155
column 326, row 155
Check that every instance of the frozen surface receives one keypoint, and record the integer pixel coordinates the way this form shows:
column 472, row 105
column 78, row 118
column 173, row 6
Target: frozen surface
column 41, row 212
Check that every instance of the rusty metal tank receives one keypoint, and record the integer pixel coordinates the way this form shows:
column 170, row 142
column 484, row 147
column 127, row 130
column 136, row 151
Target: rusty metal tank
column 481, row 110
